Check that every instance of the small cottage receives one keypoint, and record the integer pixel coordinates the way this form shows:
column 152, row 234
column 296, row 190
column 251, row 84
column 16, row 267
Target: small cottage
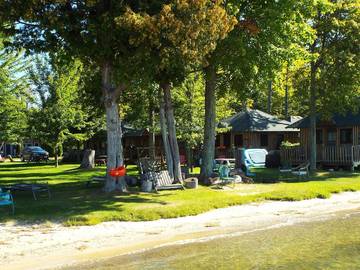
column 337, row 139
column 254, row 129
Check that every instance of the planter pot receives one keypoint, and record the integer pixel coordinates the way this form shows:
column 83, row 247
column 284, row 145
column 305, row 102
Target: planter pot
column 146, row 186
column 192, row 182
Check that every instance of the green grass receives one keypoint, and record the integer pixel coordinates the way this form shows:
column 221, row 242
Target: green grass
column 74, row 204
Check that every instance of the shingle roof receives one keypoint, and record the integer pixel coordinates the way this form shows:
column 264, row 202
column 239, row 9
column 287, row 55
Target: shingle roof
column 130, row 131
column 338, row 120
column 256, row 121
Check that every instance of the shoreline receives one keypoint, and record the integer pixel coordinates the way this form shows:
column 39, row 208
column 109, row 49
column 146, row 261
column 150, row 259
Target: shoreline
column 49, row 246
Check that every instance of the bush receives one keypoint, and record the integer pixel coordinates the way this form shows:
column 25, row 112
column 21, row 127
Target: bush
column 286, row 144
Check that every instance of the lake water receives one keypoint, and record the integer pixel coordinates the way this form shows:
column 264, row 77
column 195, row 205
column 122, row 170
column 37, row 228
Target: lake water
column 326, row 244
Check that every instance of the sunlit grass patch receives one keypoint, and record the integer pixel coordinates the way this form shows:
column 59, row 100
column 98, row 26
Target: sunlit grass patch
column 73, row 204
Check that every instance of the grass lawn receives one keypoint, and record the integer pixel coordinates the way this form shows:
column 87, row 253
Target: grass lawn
column 72, row 203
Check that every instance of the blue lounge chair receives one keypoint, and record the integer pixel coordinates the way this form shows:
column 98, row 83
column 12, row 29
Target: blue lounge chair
column 6, row 199
column 224, row 176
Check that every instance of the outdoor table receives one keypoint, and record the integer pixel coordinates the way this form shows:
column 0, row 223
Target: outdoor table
column 34, row 188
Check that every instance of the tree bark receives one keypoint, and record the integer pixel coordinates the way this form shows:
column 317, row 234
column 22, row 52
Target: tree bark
column 152, row 153
column 270, row 93
column 170, row 122
column 113, row 125
column 208, row 153
column 189, row 157
column 88, row 161
column 164, row 134
column 56, row 157
column 287, row 92
column 313, row 157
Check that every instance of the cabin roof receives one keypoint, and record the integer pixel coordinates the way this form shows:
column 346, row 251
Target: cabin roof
column 256, row 121
column 130, row 131
column 337, row 120
column 127, row 131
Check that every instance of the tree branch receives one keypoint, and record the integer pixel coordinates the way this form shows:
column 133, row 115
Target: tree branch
column 28, row 24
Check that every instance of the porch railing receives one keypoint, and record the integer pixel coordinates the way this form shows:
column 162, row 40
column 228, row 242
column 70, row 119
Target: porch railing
column 346, row 154
column 296, row 154
column 356, row 153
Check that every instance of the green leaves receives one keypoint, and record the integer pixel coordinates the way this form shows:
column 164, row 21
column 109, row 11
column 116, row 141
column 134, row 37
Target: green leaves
column 14, row 96
column 179, row 36
column 61, row 115
column 335, row 54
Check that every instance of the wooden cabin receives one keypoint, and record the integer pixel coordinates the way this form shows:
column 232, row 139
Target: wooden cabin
column 254, row 129
column 132, row 140
column 135, row 144
column 337, row 139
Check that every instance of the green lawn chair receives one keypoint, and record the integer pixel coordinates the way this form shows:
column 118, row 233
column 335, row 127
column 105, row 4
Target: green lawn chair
column 224, row 175
column 6, row 199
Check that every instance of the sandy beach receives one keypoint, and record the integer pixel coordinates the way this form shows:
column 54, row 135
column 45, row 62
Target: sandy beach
column 49, row 246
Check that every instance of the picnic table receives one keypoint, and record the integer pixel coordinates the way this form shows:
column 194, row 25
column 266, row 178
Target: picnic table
column 32, row 187
column 100, row 160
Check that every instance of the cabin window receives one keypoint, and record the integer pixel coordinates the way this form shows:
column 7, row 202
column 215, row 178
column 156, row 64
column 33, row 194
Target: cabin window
column 331, row 137
column 319, row 136
column 238, row 140
column 227, row 139
column 217, row 140
column 346, row 136
column 264, row 140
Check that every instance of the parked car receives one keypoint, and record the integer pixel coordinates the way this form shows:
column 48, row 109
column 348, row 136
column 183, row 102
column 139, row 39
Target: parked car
column 34, row 153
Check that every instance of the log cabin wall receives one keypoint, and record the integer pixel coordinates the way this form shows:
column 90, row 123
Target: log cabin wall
column 356, row 135
column 305, row 135
column 227, row 141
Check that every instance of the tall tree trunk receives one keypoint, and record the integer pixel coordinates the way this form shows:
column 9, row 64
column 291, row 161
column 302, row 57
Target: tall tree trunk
column 313, row 118
column 151, row 129
column 270, row 93
column 287, row 92
column 113, row 125
column 88, row 161
column 164, row 134
column 56, row 157
column 208, row 153
column 170, row 122
column 189, row 157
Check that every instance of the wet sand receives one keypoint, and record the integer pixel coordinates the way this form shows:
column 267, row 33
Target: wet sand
column 49, row 246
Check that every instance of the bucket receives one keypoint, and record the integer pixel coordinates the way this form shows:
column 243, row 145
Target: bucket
column 146, row 186
column 191, row 182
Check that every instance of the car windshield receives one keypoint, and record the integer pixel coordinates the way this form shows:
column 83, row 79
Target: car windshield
column 35, row 148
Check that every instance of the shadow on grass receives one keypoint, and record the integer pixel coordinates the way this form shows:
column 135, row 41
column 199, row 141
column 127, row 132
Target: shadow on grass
column 272, row 176
column 73, row 202
column 26, row 165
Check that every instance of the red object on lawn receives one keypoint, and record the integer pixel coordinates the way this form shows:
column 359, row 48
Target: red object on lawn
column 118, row 172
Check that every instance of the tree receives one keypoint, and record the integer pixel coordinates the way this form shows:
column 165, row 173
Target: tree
column 59, row 115
column 14, row 96
column 83, row 29
column 245, row 61
column 175, row 39
column 331, row 77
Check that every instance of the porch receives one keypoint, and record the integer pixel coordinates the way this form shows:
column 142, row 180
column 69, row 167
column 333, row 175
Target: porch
column 334, row 155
